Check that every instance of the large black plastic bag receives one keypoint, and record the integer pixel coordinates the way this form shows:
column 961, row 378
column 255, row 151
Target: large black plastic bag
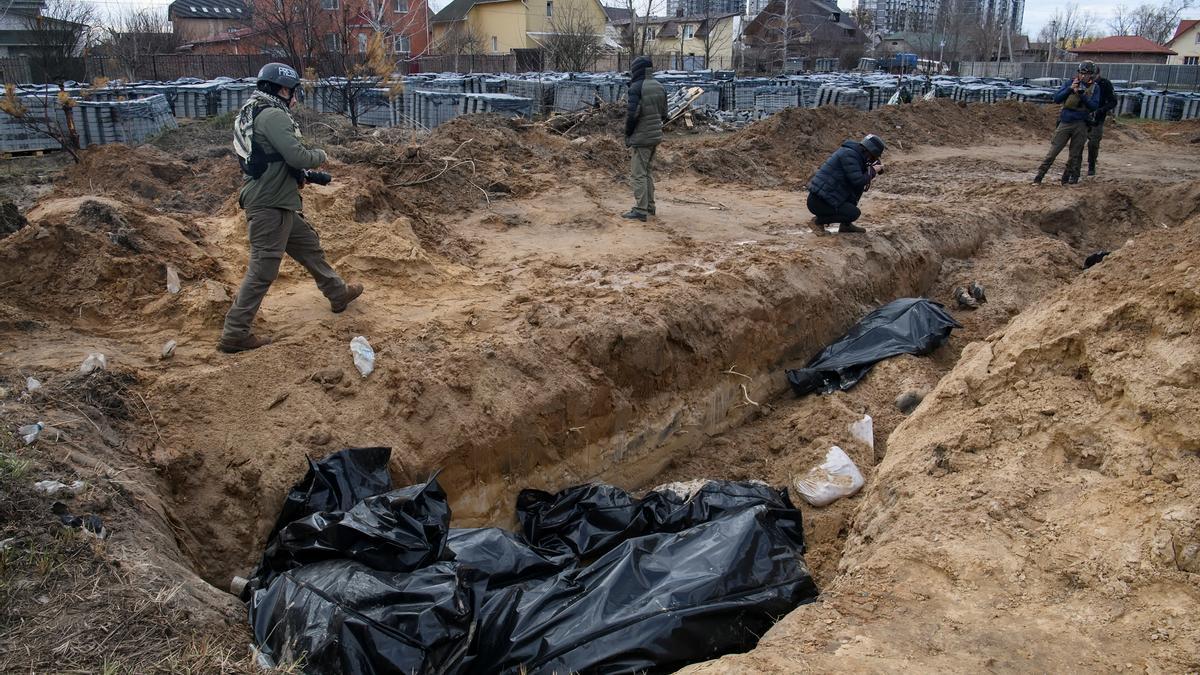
column 904, row 326
column 344, row 617
column 587, row 520
column 652, row 603
column 499, row 558
column 688, row 572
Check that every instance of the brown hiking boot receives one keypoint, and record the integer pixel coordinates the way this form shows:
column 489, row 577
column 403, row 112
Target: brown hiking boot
column 244, row 345
column 352, row 291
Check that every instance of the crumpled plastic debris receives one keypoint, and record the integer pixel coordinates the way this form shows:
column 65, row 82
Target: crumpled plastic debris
column 358, row 577
column 94, row 361
column 835, row 478
column 54, row 488
column 364, row 355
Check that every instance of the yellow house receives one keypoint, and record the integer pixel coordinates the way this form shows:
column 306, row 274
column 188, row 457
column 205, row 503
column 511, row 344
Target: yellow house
column 686, row 39
column 502, row 26
column 1185, row 44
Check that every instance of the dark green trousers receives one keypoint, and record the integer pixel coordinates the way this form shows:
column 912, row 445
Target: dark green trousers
column 1074, row 134
column 641, row 179
column 274, row 232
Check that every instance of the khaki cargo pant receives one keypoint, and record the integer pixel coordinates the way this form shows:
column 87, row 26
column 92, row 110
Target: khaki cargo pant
column 274, row 232
column 1074, row 133
column 641, row 180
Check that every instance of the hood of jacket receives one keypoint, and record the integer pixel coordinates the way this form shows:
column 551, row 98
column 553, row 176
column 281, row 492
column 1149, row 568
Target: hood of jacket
column 855, row 146
column 640, row 68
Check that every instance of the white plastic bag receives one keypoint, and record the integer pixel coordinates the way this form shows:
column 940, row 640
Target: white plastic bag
column 32, row 385
column 864, row 431
column 94, row 361
column 364, row 356
column 173, row 285
column 895, row 99
column 837, row 477
column 54, row 488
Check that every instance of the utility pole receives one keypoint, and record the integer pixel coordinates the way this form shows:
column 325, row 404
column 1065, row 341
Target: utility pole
column 787, row 30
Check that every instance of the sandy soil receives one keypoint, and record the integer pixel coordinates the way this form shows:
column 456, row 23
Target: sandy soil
column 526, row 335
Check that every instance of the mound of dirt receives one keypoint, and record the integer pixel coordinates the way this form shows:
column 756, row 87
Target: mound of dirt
column 97, row 258
column 1038, row 510
column 152, row 177
column 786, row 148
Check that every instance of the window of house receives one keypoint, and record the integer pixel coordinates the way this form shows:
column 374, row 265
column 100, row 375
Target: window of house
column 649, row 32
column 401, row 45
column 1191, row 60
column 549, row 8
column 329, row 4
column 362, row 43
column 689, row 31
column 1198, row 37
column 402, row 6
column 333, row 42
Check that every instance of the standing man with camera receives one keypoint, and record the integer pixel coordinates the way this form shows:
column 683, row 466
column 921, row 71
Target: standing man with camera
column 1108, row 103
column 275, row 165
column 1079, row 98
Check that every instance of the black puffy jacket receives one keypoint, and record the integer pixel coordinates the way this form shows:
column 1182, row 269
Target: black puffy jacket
column 843, row 177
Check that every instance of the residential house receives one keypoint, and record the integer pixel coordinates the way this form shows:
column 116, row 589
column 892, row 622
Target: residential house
column 16, row 38
column 338, row 25
column 687, row 42
column 1122, row 49
column 814, row 29
column 1185, row 44
column 513, row 26
column 197, row 20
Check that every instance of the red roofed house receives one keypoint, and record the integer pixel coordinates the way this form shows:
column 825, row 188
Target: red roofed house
column 1122, row 49
column 1186, row 44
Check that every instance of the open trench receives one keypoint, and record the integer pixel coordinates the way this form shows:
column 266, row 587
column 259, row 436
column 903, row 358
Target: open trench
column 668, row 396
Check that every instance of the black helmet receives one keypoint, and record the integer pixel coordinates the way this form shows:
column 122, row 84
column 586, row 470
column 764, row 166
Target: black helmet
column 280, row 74
column 1088, row 68
column 874, row 145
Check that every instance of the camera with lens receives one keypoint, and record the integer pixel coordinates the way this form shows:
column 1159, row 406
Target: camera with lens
column 317, row 177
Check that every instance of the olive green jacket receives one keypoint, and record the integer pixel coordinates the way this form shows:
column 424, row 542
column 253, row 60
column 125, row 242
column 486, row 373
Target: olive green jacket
column 275, row 131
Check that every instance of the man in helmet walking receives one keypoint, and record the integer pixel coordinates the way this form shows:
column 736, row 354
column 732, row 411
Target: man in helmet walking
column 1079, row 98
column 835, row 189
column 274, row 160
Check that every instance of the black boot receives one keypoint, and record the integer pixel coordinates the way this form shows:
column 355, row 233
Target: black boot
column 1074, row 179
column 1091, row 168
column 1066, row 178
column 850, row 228
column 1037, row 180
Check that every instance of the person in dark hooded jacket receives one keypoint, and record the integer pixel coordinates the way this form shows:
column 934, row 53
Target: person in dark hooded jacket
column 643, row 132
column 834, row 191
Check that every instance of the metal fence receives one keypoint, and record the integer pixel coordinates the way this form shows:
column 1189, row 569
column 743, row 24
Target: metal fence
column 165, row 67
column 1169, row 77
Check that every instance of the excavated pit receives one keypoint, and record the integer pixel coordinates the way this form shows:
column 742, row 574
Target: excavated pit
column 536, row 343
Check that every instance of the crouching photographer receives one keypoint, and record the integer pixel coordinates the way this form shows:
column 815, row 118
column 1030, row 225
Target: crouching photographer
column 275, row 165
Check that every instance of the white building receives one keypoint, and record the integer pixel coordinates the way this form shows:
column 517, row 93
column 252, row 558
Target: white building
column 925, row 16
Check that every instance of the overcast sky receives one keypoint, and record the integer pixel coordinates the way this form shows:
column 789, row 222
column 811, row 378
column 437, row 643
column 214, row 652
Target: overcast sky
column 1037, row 12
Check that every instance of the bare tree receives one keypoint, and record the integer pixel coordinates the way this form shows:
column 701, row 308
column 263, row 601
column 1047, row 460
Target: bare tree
column 58, row 35
column 576, row 41
column 1155, row 22
column 132, row 36
column 636, row 36
column 1065, row 28
column 458, row 41
column 294, row 30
